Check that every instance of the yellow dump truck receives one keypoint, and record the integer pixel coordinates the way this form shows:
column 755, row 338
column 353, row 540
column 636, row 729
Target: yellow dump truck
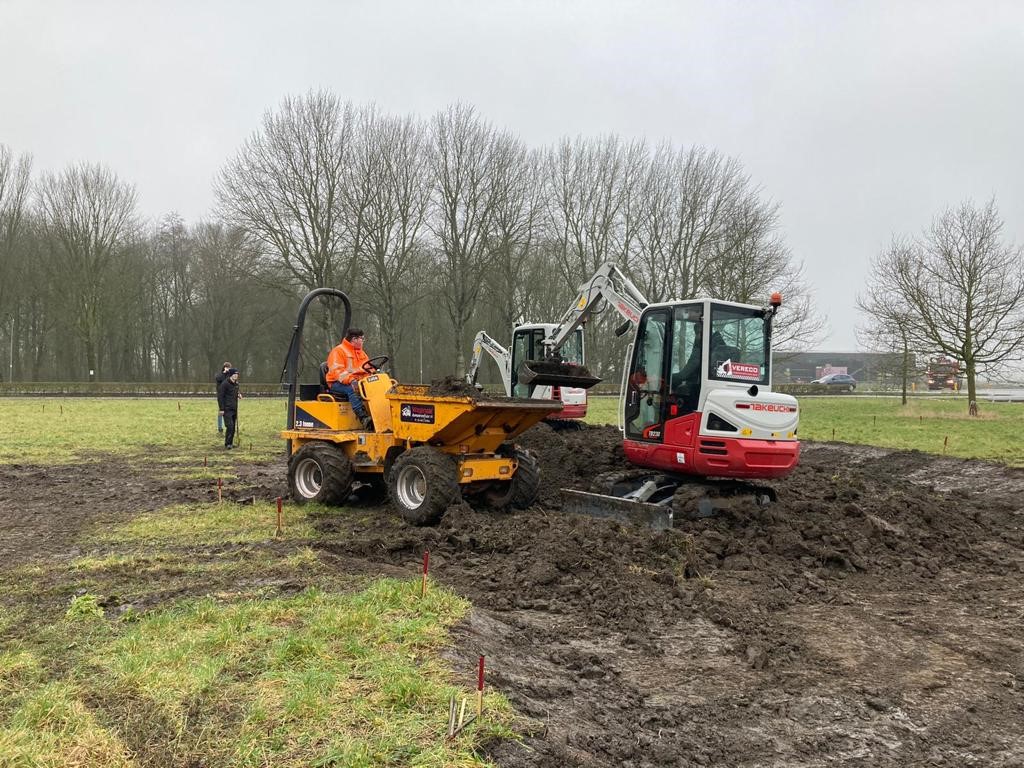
column 428, row 450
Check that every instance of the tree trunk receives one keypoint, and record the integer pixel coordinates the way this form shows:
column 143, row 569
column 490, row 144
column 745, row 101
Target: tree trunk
column 972, row 387
column 906, row 370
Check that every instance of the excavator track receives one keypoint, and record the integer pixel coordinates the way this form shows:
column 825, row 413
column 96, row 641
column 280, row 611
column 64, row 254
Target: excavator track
column 660, row 501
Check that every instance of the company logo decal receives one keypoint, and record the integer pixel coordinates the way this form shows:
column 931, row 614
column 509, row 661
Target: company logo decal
column 767, row 407
column 732, row 370
column 417, row 413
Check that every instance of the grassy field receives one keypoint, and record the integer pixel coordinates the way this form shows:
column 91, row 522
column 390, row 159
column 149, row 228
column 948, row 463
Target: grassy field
column 193, row 635
column 62, row 430
column 55, row 431
column 172, row 642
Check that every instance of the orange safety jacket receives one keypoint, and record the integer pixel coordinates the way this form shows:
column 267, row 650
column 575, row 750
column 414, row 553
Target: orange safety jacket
column 345, row 364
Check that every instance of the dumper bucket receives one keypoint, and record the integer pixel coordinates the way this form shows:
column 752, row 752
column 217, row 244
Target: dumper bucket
column 549, row 373
column 472, row 425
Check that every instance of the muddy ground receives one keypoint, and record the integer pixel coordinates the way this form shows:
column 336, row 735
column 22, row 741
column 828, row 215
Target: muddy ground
column 873, row 616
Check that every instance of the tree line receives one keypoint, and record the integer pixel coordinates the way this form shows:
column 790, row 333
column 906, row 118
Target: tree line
column 435, row 227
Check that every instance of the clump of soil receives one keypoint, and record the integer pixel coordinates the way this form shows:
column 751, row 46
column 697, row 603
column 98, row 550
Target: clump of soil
column 453, row 386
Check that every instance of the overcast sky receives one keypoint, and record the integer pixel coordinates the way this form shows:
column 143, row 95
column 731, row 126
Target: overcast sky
column 861, row 119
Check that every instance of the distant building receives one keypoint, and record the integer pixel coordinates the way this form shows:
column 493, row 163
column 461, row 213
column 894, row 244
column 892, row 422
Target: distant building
column 802, row 367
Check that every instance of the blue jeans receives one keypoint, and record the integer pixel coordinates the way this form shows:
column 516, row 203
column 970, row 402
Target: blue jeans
column 349, row 393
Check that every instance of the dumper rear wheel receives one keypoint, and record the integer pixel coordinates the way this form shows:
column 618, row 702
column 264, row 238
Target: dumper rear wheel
column 422, row 484
column 521, row 491
column 321, row 473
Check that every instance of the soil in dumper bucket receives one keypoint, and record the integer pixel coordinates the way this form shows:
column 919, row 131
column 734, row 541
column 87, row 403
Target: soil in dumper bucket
column 453, row 386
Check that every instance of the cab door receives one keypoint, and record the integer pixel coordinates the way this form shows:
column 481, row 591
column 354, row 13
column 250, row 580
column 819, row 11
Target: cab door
column 522, row 349
column 647, row 380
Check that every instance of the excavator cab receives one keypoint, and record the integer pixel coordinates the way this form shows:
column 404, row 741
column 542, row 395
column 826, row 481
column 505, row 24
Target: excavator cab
column 697, row 397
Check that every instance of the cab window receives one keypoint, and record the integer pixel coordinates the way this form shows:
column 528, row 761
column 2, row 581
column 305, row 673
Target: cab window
column 738, row 349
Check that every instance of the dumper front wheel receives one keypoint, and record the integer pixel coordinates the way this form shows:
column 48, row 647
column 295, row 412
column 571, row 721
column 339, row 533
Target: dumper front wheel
column 321, row 473
column 422, row 484
column 521, row 491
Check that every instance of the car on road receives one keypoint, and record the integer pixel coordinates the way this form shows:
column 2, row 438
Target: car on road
column 841, row 381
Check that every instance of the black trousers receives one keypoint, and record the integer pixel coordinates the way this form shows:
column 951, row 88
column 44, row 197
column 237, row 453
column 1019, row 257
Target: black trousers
column 230, row 419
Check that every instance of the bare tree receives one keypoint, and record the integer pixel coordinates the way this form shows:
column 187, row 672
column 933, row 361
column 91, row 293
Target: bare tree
column 284, row 187
column 464, row 200
column 15, row 173
column 89, row 216
column 387, row 195
column 889, row 321
column 748, row 260
column 591, row 211
column 689, row 195
column 513, row 271
column 963, row 286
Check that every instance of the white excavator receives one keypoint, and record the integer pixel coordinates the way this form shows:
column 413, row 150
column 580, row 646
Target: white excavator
column 560, row 344
column 695, row 402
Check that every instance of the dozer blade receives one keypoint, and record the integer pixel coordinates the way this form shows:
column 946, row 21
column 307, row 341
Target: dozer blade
column 548, row 373
column 642, row 513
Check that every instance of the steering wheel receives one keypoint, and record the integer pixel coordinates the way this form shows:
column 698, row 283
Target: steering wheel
column 374, row 364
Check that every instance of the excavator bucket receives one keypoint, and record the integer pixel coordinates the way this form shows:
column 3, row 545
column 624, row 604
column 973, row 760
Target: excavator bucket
column 549, row 373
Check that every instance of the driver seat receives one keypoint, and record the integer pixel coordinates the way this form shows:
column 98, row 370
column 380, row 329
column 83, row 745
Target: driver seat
column 323, row 378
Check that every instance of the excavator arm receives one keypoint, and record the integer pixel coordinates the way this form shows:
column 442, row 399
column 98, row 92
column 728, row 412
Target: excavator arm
column 609, row 285
column 501, row 356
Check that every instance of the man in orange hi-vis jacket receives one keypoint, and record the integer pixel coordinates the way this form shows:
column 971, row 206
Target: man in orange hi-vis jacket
column 345, row 368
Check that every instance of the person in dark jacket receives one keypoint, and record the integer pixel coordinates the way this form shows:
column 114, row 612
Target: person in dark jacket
column 227, row 399
column 217, row 380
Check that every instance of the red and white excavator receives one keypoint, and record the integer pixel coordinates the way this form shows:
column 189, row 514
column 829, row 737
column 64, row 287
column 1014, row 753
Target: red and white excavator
column 695, row 403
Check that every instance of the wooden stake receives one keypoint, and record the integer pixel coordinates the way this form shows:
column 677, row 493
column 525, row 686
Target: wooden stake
column 279, row 520
column 462, row 712
column 833, row 434
column 204, row 461
column 61, row 406
column 426, row 567
column 179, row 406
column 480, row 688
column 220, row 490
column 945, row 443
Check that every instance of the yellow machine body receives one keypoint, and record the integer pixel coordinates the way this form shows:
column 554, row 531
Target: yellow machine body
column 405, row 415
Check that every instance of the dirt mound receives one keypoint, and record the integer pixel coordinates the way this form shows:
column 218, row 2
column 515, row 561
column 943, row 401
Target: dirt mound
column 736, row 639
